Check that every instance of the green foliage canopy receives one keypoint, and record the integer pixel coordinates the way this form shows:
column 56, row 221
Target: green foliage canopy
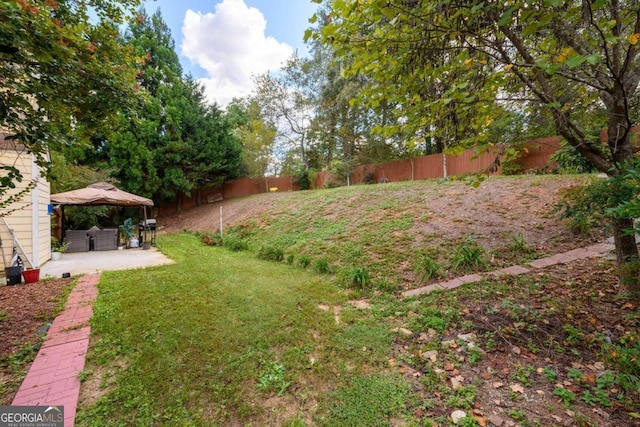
column 449, row 65
column 64, row 75
column 256, row 135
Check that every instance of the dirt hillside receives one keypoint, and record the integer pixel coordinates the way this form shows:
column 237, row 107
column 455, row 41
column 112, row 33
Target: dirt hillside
column 499, row 208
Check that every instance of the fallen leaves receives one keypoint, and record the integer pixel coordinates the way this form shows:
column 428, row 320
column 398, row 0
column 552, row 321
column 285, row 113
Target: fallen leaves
column 517, row 388
column 457, row 382
column 526, row 332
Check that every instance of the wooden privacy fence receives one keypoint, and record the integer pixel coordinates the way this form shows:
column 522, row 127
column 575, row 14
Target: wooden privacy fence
column 237, row 188
column 536, row 157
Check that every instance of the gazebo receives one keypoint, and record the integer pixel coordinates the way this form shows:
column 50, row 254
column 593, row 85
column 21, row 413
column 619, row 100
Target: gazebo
column 98, row 194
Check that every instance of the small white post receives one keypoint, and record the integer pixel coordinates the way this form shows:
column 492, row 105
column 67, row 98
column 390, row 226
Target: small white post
column 221, row 220
column 444, row 164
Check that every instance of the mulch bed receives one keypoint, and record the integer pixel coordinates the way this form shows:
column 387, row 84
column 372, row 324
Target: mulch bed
column 26, row 310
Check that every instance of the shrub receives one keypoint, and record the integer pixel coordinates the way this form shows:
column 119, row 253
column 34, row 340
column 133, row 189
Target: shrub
column 58, row 246
column 569, row 160
column 212, row 240
column 235, row 244
column 602, row 199
column 469, row 255
column 271, row 253
column 290, row 259
column 359, row 278
column 302, row 178
column 321, row 266
column 428, row 268
column 242, row 231
column 369, row 178
column 511, row 160
column 304, row 261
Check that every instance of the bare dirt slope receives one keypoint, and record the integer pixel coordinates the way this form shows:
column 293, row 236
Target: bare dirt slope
column 501, row 207
column 234, row 211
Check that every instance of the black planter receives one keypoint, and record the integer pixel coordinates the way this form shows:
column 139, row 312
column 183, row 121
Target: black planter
column 13, row 275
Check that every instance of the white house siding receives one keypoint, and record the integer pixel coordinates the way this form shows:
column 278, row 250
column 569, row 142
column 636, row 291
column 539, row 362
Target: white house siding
column 30, row 219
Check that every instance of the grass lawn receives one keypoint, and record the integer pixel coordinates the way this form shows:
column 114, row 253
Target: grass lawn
column 295, row 319
column 224, row 338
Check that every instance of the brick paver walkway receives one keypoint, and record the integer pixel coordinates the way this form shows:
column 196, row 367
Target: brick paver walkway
column 597, row 250
column 53, row 379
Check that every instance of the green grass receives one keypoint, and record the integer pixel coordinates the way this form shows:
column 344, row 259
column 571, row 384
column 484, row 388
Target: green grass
column 225, row 338
column 207, row 340
column 367, row 401
column 261, row 332
column 319, row 230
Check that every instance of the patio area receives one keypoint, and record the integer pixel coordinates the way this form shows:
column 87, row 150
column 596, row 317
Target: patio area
column 79, row 263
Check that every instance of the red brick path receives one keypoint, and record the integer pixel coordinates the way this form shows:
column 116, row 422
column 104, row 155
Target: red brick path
column 53, row 379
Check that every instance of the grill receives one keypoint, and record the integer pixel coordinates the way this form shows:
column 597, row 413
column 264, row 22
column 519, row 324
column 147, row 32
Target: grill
column 150, row 226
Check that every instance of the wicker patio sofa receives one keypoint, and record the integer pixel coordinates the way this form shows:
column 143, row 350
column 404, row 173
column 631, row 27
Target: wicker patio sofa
column 106, row 240
column 78, row 240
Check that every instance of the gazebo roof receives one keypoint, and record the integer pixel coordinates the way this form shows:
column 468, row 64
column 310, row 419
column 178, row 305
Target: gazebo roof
column 100, row 193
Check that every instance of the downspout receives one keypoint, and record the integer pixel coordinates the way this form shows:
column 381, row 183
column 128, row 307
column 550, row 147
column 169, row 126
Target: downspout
column 35, row 216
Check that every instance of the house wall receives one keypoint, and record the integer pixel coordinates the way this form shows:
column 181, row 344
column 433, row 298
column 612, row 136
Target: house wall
column 28, row 216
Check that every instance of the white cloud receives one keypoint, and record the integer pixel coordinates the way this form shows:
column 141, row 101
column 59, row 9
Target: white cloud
column 231, row 45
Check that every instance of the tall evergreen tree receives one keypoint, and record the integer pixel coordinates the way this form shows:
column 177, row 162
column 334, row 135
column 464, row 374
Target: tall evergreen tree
column 176, row 143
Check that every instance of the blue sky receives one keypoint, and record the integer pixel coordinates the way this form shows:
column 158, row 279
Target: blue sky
column 223, row 43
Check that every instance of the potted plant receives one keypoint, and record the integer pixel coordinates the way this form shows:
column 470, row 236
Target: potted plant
column 57, row 248
column 31, row 275
column 128, row 233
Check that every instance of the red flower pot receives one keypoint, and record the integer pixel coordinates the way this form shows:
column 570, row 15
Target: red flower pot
column 31, row 276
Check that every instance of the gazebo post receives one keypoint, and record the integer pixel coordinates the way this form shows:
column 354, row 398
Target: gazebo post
column 62, row 224
column 144, row 208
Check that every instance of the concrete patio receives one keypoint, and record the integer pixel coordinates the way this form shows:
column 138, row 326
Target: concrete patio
column 79, row 263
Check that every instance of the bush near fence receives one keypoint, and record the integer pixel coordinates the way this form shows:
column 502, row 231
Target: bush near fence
column 534, row 158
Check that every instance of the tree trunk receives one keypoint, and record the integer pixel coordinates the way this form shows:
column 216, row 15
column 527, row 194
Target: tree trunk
column 626, row 252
